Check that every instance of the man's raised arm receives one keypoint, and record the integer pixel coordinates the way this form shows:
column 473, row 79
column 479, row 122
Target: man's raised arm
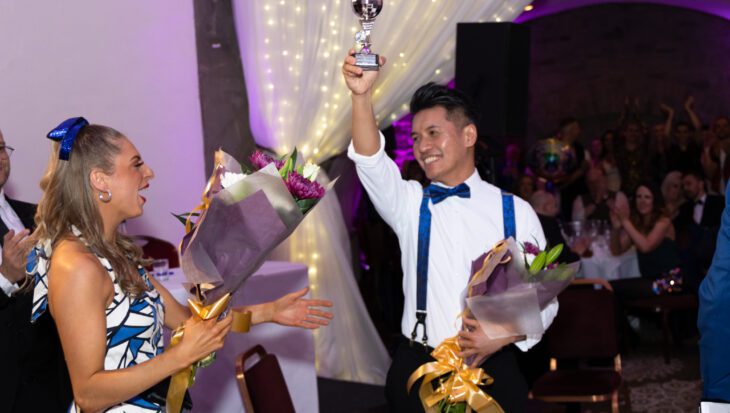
column 365, row 134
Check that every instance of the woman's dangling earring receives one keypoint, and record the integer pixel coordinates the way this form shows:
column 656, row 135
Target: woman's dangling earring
column 105, row 196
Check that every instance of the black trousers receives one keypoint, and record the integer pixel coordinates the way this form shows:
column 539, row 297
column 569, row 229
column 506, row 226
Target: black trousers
column 509, row 388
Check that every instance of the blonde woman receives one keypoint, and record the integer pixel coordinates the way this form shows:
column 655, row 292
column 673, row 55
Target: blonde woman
column 108, row 311
column 672, row 193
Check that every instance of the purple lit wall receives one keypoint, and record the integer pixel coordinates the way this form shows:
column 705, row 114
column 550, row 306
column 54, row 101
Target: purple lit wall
column 541, row 8
column 127, row 64
column 657, row 53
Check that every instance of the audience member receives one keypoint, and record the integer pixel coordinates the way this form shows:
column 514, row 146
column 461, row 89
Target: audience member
column 631, row 158
column 526, row 185
column 646, row 227
column 546, row 206
column 659, row 142
column 684, row 154
column 608, row 161
column 672, row 193
column 714, row 321
column 34, row 376
column 697, row 225
column 572, row 185
column 594, row 203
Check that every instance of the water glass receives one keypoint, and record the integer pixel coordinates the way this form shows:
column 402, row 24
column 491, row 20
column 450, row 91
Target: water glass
column 160, row 269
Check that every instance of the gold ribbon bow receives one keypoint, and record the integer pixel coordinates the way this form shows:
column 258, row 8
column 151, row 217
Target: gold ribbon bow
column 184, row 378
column 460, row 386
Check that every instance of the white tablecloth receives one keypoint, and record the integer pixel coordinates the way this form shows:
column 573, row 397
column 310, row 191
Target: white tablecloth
column 215, row 388
column 604, row 265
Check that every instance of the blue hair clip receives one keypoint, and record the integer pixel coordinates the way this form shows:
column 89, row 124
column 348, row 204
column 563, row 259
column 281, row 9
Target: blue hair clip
column 66, row 134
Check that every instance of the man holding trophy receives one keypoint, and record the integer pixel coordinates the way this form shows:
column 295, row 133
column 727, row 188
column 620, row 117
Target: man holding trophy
column 440, row 228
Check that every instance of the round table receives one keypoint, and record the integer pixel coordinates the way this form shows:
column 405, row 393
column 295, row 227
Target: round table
column 602, row 264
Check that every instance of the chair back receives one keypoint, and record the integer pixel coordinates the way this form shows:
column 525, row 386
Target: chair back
column 262, row 385
column 156, row 248
column 585, row 326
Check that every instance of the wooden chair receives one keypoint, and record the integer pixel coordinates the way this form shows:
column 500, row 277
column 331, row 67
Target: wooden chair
column 155, row 248
column 262, row 385
column 585, row 328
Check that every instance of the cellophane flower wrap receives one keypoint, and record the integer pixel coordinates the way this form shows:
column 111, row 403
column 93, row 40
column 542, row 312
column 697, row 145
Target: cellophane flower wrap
column 245, row 215
column 511, row 284
column 242, row 217
column 509, row 287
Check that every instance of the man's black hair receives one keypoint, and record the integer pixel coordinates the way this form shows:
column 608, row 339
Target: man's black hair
column 697, row 173
column 454, row 101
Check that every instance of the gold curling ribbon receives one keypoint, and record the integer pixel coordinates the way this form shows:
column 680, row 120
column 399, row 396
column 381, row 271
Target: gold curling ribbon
column 495, row 256
column 184, row 378
column 461, row 385
column 206, row 197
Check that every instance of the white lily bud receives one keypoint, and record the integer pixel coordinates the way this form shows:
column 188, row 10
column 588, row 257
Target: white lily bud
column 230, row 178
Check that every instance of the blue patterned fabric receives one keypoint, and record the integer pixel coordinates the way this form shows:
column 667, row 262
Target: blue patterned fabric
column 133, row 324
column 508, row 215
column 436, row 194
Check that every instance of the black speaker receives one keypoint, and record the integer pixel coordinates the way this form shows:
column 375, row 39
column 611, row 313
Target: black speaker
column 492, row 66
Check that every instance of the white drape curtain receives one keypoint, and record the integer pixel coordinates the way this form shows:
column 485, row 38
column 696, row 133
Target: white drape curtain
column 291, row 52
column 349, row 348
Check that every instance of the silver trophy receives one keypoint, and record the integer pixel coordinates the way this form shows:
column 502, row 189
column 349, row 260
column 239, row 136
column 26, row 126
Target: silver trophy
column 366, row 10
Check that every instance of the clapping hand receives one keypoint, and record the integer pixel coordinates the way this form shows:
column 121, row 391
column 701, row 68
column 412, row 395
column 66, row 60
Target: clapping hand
column 295, row 311
column 15, row 251
column 665, row 108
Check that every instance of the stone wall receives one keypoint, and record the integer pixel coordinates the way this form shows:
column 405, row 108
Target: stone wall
column 585, row 62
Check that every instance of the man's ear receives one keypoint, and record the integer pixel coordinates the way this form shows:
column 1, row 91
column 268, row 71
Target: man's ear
column 470, row 135
column 99, row 180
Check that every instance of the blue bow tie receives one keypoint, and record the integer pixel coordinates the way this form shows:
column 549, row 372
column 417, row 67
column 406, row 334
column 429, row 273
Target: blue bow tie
column 439, row 193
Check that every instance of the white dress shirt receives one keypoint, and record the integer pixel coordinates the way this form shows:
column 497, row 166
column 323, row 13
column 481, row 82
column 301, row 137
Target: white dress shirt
column 462, row 229
column 12, row 221
column 699, row 209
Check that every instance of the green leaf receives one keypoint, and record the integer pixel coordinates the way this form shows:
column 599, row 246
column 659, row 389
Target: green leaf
column 306, row 204
column 289, row 164
column 538, row 263
column 245, row 169
column 458, row 407
column 183, row 218
column 553, row 254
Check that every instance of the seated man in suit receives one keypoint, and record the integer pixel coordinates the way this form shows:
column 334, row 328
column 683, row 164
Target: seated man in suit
column 697, row 225
column 34, row 376
column 546, row 207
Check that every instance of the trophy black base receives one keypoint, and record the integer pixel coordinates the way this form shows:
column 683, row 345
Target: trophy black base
column 367, row 61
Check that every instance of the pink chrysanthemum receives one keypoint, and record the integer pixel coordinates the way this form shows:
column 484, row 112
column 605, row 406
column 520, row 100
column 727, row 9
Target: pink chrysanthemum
column 260, row 160
column 531, row 248
column 303, row 188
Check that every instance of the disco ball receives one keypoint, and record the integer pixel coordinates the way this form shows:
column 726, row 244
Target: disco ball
column 553, row 159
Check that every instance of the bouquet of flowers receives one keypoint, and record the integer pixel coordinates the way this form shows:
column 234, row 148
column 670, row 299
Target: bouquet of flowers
column 508, row 288
column 511, row 285
column 244, row 214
